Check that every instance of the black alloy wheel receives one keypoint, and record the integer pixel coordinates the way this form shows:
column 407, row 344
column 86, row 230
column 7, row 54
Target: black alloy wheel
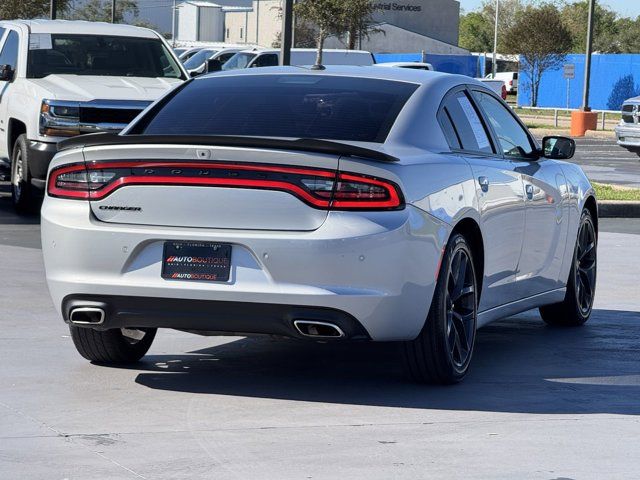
column 577, row 305
column 442, row 352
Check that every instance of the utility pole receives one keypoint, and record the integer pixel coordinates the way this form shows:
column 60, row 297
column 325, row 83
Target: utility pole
column 113, row 11
column 584, row 119
column 53, row 11
column 494, row 63
column 173, row 24
column 587, row 60
column 287, row 32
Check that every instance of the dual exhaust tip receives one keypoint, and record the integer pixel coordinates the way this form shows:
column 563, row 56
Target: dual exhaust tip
column 315, row 329
column 306, row 328
column 87, row 316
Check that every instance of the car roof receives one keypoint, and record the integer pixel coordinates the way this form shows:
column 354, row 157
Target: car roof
column 420, row 77
column 306, row 50
column 81, row 27
column 403, row 64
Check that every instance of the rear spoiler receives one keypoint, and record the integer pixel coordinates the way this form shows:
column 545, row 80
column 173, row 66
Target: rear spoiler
column 300, row 144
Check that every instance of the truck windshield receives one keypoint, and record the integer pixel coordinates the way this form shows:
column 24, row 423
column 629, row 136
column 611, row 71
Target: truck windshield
column 103, row 56
column 199, row 58
column 239, row 60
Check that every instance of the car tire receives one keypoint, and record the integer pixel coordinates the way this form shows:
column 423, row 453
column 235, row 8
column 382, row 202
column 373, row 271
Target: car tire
column 577, row 305
column 441, row 354
column 114, row 346
column 25, row 199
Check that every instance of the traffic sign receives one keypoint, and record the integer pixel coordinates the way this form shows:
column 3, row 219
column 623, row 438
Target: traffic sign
column 569, row 70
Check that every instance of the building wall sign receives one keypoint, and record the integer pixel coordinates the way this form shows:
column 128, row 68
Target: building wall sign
column 398, row 7
column 432, row 18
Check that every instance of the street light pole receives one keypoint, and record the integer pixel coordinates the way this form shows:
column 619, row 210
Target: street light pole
column 53, row 10
column 584, row 119
column 173, row 24
column 113, row 11
column 587, row 60
column 494, row 64
column 287, row 32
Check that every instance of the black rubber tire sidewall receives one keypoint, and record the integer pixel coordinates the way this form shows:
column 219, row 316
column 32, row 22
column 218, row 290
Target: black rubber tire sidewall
column 568, row 312
column 427, row 358
column 110, row 346
column 24, row 200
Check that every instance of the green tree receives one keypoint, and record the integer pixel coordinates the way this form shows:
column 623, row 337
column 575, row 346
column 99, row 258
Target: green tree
column 327, row 15
column 100, row 11
column 629, row 35
column 358, row 15
column 476, row 34
column 606, row 38
column 12, row 9
column 542, row 40
column 477, row 27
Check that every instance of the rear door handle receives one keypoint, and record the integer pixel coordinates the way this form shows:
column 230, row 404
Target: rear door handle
column 529, row 190
column 484, row 183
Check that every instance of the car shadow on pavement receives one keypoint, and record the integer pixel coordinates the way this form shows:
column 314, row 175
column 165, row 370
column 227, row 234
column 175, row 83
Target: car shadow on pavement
column 520, row 365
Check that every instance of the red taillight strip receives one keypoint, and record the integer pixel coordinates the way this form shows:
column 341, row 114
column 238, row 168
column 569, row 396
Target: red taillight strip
column 53, row 189
column 214, row 165
column 210, row 182
column 393, row 201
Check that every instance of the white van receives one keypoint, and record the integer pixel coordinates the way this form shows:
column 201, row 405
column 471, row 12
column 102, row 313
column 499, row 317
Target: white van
column 299, row 56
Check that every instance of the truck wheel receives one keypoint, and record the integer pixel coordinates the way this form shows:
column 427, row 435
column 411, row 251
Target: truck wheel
column 442, row 353
column 25, row 199
column 116, row 346
column 576, row 307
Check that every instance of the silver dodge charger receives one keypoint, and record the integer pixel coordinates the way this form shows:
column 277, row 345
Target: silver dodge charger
column 337, row 204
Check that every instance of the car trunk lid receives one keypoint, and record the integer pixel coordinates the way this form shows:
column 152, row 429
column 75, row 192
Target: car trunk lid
column 210, row 186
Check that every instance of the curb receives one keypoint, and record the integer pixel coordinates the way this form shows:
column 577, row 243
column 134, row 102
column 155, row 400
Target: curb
column 618, row 209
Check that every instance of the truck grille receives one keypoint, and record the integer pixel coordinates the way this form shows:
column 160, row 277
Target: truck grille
column 628, row 112
column 109, row 115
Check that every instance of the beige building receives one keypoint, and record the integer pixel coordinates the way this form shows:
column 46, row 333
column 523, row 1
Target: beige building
column 403, row 26
column 260, row 26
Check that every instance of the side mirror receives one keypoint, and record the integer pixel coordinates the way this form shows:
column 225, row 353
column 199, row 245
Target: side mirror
column 558, row 148
column 6, row 73
column 214, row 65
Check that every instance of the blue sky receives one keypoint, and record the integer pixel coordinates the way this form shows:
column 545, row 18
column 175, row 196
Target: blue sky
column 628, row 8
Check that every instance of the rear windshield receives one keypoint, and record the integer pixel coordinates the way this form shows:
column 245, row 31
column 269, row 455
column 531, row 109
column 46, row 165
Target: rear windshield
column 102, row 55
column 294, row 106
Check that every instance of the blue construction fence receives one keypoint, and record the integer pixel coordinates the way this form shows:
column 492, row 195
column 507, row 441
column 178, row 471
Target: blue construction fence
column 461, row 64
column 614, row 78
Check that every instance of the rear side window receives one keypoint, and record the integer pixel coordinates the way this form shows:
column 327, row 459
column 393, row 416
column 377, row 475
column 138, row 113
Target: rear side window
column 9, row 53
column 293, row 106
column 470, row 132
column 513, row 139
column 448, row 129
column 267, row 60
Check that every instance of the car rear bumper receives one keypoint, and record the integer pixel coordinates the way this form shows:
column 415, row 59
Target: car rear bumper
column 377, row 269
column 211, row 316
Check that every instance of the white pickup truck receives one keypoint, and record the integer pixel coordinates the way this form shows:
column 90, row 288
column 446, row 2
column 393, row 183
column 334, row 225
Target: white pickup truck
column 64, row 78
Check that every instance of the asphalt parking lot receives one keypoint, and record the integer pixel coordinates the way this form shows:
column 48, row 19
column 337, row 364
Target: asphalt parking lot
column 606, row 162
column 540, row 402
